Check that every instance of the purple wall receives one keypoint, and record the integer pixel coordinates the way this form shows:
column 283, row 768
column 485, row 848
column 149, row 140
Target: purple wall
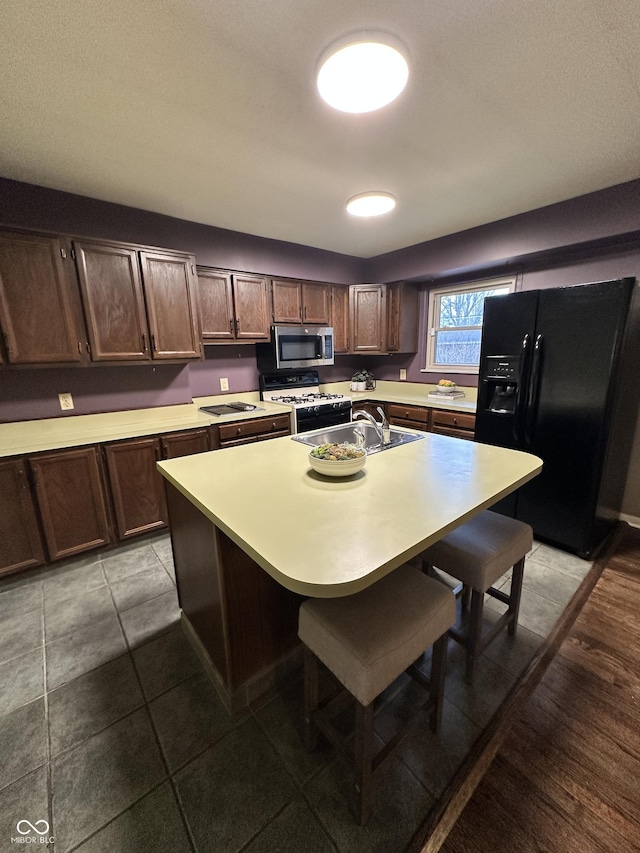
column 606, row 215
column 32, row 393
column 27, row 206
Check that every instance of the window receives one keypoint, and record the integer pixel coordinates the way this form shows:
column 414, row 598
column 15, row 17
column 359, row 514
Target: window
column 455, row 324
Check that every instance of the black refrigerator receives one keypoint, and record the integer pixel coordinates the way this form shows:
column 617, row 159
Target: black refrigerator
column 550, row 383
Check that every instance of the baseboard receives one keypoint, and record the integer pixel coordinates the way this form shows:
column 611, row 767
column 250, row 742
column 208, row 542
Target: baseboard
column 632, row 520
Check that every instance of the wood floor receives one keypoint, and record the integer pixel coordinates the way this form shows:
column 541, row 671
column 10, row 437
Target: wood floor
column 567, row 777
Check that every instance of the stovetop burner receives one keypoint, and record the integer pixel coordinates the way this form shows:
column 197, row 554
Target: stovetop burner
column 297, row 388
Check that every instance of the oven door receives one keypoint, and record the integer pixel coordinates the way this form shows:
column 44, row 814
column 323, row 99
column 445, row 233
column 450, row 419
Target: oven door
column 325, row 416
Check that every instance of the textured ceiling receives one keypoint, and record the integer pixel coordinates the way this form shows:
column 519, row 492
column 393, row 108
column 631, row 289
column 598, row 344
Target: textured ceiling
column 207, row 110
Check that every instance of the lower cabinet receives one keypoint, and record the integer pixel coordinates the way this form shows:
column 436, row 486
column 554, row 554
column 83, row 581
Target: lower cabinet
column 72, row 500
column 137, row 488
column 456, row 424
column 176, row 444
column 415, row 417
column 21, row 544
column 247, row 431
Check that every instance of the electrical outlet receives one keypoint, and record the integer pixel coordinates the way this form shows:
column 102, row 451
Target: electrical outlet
column 224, row 384
column 403, row 373
column 66, row 401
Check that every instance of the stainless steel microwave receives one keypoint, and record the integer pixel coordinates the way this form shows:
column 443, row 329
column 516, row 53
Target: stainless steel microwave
column 296, row 346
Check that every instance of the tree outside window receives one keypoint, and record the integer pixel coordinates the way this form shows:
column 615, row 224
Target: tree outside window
column 455, row 324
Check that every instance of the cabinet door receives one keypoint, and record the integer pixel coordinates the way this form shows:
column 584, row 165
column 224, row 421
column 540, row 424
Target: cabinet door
column 251, row 301
column 316, row 303
column 340, row 318
column 113, row 302
column 20, row 540
column 402, row 317
column 136, row 486
column 72, row 500
column 172, row 305
column 176, row 444
column 367, row 317
column 215, row 296
column 287, row 301
column 37, row 313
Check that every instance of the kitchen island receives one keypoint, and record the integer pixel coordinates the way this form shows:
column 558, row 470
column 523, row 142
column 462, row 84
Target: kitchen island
column 254, row 529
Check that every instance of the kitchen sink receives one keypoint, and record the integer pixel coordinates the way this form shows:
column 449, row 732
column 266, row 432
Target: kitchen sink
column 347, row 433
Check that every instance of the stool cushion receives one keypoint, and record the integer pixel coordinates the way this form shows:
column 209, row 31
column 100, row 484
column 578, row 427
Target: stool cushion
column 481, row 550
column 369, row 638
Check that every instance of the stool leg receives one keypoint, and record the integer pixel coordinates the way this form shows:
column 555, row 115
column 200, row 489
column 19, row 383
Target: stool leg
column 428, row 569
column 516, row 593
column 438, row 672
column 311, row 698
column 465, row 596
column 475, row 631
column 363, row 761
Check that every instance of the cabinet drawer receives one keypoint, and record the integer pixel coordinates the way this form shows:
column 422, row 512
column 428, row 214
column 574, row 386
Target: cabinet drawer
column 416, row 414
column 253, row 428
column 454, row 433
column 454, row 420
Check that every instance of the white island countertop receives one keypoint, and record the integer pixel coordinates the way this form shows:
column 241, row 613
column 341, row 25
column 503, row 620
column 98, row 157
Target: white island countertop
column 329, row 537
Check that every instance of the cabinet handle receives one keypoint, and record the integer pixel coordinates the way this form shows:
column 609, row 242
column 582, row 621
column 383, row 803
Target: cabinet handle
column 238, row 430
column 80, row 347
column 406, row 414
column 144, row 342
column 237, row 328
column 305, row 312
column 88, row 347
column 231, row 326
column 153, row 342
column 455, row 422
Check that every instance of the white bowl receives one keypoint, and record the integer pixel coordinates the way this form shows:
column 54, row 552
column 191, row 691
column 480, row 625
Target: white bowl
column 446, row 389
column 342, row 468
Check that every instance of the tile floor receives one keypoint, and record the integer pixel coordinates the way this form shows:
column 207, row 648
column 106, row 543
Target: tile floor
column 111, row 733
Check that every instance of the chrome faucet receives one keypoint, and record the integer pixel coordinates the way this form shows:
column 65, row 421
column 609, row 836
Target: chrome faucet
column 382, row 428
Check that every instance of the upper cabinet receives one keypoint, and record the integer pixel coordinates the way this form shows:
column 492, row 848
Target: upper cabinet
column 39, row 314
column 383, row 318
column 340, row 318
column 172, row 305
column 300, row 301
column 402, row 317
column 233, row 306
column 367, row 318
column 316, row 303
column 139, row 305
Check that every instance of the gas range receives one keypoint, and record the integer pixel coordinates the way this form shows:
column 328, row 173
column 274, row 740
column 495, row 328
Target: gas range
column 310, row 407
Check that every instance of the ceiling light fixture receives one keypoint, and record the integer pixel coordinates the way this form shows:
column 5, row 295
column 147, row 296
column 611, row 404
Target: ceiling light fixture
column 370, row 204
column 362, row 73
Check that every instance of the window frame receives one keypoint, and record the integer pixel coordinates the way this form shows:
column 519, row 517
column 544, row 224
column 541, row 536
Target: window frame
column 435, row 295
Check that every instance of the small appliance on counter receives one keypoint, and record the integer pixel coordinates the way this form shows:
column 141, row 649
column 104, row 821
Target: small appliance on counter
column 231, row 408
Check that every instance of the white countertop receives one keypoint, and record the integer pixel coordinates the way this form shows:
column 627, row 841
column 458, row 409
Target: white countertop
column 332, row 537
column 23, row 437
column 74, row 431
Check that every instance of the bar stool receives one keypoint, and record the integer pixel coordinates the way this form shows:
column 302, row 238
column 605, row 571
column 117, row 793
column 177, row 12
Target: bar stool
column 367, row 640
column 478, row 553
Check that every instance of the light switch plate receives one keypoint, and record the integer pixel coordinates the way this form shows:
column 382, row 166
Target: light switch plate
column 224, row 384
column 403, row 373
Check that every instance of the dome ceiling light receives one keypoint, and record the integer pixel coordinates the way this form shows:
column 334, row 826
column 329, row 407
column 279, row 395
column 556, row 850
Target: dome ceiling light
column 370, row 204
column 362, row 73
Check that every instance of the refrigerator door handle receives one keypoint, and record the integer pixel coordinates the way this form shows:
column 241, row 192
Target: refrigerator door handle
column 533, row 391
column 519, row 410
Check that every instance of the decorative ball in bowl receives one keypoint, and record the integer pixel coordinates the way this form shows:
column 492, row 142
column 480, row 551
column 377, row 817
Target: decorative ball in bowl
column 337, row 460
column 446, row 386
